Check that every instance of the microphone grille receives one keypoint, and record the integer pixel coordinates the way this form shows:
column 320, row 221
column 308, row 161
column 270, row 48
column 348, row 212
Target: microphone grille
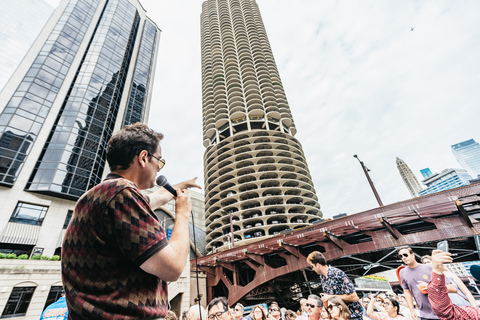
column 161, row 181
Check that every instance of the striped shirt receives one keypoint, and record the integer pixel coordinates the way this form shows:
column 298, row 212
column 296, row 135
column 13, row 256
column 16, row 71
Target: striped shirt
column 441, row 304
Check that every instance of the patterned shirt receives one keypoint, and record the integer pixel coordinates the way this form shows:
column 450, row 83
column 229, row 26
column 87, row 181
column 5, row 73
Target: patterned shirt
column 441, row 304
column 336, row 282
column 112, row 232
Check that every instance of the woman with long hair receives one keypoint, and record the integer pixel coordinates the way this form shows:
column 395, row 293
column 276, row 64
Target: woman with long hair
column 337, row 309
column 258, row 313
column 392, row 310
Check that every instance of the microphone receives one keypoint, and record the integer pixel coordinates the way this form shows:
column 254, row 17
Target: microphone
column 162, row 182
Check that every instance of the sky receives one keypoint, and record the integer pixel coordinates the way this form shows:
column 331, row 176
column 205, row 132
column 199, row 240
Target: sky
column 358, row 81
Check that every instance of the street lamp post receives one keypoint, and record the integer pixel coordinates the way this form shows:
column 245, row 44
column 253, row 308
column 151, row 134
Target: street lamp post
column 365, row 170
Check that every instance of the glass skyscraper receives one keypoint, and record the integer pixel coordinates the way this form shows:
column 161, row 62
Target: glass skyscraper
column 255, row 169
column 445, row 180
column 88, row 74
column 468, row 155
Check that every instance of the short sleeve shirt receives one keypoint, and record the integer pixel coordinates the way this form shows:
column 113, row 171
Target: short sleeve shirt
column 409, row 278
column 337, row 282
column 113, row 231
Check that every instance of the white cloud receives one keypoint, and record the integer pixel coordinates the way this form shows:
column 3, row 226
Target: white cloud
column 358, row 81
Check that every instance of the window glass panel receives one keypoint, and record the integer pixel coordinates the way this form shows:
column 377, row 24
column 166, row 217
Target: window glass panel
column 18, row 302
column 29, row 214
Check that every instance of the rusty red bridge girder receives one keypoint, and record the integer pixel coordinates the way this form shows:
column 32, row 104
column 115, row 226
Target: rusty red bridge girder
column 360, row 237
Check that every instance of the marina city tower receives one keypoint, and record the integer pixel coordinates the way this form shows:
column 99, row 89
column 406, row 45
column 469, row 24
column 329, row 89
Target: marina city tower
column 255, row 169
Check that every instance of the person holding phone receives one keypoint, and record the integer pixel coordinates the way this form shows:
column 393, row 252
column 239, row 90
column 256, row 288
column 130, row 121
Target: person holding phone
column 410, row 278
column 391, row 309
column 438, row 292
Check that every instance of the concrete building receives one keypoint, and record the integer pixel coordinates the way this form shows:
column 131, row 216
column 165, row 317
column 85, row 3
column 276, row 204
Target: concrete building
column 255, row 169
column 408, row 178
column 88, row 73
column 468, row 155
column 21, row 22
column 447, row 179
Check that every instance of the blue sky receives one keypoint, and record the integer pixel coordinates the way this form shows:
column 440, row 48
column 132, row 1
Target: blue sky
column 357, row 79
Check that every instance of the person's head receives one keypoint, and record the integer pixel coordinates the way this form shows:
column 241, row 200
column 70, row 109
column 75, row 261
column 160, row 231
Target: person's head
column 274, row 310
column 391, row 294
column 258, row 313
column 136, row 147
column 337, row 308
column 391, row 305
column 303, row 307
column 218, row 309
column 365, row 301
column 324, row 313
column 426, row 259
column 171, row 315
column 403, row 301
column 238, row 311
column 317, row 262
column 407, row 256
column 314, row 306
column 195, row 312
column 379, row 300
column 290, row 315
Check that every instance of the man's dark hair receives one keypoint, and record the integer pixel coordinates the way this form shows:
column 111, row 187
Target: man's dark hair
column 128, row 142
column 274, row 303
column 216, row 301
column 317, row 299
column 405, row 248
column 316, row 257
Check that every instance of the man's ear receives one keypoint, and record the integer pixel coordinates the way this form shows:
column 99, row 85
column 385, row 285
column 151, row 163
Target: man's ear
column 142, row 158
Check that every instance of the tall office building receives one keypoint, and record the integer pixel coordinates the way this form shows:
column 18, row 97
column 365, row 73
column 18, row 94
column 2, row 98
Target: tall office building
column 445, row 180
column 21, row 22
column 426, row 173
column 468, row 155
column 89, row 73
column 408, row 178
column 255, row 169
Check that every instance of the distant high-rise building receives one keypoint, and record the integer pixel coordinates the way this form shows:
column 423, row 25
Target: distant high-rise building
column 426, row 173
column 408, row 178
column 445, row 180
column 468, row 155
column 89, row 73
column 255, row 169
column 20, row 24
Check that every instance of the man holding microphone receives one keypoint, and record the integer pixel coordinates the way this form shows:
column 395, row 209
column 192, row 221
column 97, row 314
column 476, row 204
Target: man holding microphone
column 116, row 259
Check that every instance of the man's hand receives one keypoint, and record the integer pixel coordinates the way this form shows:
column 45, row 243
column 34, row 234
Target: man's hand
column 187, row 184
column 182, row 204
column 325, row 296
column 438, row 259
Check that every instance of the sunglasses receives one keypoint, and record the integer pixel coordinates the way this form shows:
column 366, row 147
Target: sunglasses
column 403, row 255
column 273, row 309
column 161, row 162
column 378, row 300
column 331, row 306
column 310, row 305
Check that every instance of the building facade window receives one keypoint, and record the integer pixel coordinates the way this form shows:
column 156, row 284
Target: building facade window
column 54, row 294
column 18, row 302
column 27, row 213
column 67, row 219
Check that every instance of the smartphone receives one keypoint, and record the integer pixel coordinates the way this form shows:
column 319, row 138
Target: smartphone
column 443, row 245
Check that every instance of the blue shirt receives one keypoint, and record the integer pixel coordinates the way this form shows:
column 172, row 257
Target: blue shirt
column 56, row 311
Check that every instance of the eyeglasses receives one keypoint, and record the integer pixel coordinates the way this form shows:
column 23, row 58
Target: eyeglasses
column 331, row 306
column 310, row 305
column 403, row 255
column 216, row 315
column 273, row 309
column 161, row 162
column 387, row 304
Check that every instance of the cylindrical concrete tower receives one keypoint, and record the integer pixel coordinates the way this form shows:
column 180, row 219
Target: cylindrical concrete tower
column 254, row 168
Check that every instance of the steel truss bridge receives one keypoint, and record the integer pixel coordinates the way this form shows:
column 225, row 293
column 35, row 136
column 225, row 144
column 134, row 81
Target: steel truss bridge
column 359, row 244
